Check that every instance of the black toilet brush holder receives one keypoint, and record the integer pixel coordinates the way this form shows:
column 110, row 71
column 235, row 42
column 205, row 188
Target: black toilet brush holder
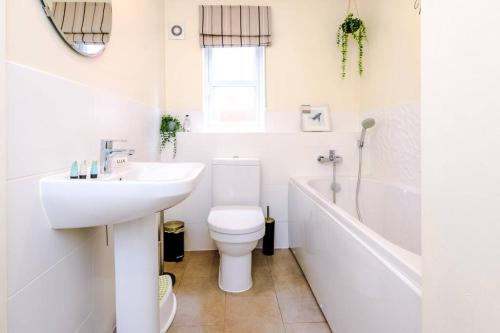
column 268, row 246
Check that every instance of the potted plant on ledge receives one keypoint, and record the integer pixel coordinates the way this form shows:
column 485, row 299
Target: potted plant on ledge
column 169, row 127
column 351, row 26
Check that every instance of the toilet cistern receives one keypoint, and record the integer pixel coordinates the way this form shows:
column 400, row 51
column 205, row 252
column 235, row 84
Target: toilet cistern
column 108, row 153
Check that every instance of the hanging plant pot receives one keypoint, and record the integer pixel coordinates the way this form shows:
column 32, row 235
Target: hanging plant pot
column 169, row 127
column 172, row 125
column 351, row 24
column 355, row 27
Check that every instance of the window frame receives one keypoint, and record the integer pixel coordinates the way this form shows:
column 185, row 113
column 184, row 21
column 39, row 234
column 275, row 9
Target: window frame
column 210, row 125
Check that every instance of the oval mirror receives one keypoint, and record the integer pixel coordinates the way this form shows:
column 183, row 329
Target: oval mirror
column 84, row 26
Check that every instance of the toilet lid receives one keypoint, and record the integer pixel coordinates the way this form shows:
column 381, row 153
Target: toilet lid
column 236, row 219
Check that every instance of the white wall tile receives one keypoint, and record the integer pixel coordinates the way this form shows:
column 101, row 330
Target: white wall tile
column 33, row 246
column 58, row 300
column 198, row 238
column 394, row 144
column 46, row 123
column 276, row 197
column 282, row 156
column 102, row 318
column 53, row 121
column 281, row 235
column 62, row 280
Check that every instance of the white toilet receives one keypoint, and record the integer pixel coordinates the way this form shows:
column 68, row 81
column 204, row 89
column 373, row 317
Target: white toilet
column 236, row 221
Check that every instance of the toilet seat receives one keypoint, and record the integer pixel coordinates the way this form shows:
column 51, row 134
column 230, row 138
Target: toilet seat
column 236, row 220
column 237, row 239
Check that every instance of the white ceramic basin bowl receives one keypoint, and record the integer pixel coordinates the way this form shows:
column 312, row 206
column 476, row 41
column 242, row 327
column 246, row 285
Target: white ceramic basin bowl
column 138, row 190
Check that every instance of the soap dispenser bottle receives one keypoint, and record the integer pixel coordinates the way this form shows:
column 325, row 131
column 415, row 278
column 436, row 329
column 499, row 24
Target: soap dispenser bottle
column 93, row 170
column 186, row 124
column 74, row 170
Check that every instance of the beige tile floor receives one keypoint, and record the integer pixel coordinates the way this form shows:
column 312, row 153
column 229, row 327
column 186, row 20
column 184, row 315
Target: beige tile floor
column 279, row 301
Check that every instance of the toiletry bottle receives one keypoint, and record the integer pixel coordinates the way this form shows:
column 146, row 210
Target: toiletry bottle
column 83, row 170
column 186, row 124
column 93, row 170
column 74, row 170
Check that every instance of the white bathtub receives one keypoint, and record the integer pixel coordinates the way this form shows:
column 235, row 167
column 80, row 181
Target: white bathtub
column 366, row 277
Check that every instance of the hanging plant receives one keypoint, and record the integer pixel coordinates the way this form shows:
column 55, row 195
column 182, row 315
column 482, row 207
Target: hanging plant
column 351, row 26
column 169, row 127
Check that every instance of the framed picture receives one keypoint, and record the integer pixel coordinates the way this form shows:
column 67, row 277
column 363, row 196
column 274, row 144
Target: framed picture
column 315, row 118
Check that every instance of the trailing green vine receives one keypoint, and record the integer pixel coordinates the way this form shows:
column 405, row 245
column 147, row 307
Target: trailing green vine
column 169, row 127
column 351, row 26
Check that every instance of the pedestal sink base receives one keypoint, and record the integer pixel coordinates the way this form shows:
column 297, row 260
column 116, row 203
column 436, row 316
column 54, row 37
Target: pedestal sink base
column 136, row 276
column 122, row 198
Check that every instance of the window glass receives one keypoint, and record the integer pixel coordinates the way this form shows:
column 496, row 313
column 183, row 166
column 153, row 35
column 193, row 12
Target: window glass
column 234, row 89
column 233, row 64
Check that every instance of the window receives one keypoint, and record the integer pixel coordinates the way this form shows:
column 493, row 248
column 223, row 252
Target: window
column 234, row 89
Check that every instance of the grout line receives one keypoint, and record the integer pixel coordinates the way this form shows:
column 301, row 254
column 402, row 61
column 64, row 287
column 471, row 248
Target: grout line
column 276, row 294
column 312, row 293
column 42, row 174
column 84, row 321
column 80, row 246
column 225, row 313
column 78, row 84
column 179, row 281
column 216, row 258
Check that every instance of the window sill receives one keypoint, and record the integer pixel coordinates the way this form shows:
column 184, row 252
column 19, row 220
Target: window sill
column 264, row 132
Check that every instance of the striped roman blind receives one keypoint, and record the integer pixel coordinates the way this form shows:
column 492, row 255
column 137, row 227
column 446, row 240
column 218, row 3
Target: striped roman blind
column 83, row 22
column 235, row 26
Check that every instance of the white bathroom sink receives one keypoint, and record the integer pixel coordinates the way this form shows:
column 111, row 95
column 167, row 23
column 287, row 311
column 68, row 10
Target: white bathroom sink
column 138, row 190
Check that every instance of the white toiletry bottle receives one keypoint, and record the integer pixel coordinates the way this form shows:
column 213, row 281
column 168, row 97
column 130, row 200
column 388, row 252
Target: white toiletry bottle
column 186, row 124
column 83, row 170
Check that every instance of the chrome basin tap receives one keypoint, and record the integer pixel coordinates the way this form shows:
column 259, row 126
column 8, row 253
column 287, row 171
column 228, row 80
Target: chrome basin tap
column 108, row 152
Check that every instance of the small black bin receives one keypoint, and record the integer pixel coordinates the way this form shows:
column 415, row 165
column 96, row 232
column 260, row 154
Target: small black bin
column 173, row 241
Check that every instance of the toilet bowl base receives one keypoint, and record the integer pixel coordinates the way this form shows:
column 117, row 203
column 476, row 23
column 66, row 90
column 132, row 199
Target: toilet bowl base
column 235, row 273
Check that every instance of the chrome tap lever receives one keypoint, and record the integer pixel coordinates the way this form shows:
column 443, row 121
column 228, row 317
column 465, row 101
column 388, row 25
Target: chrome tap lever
column 322, row 159
column 108, row 152
column 332, row 158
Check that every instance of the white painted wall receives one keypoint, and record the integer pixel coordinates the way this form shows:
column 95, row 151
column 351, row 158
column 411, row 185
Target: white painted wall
column 59, row 107
column 302, row 65
column 460, row 163
column 282, row 155
column 132, row 65
column 390, row 89
column 3, row 164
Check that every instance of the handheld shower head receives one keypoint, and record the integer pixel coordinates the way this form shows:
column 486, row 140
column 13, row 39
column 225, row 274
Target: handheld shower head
column 366, row 124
